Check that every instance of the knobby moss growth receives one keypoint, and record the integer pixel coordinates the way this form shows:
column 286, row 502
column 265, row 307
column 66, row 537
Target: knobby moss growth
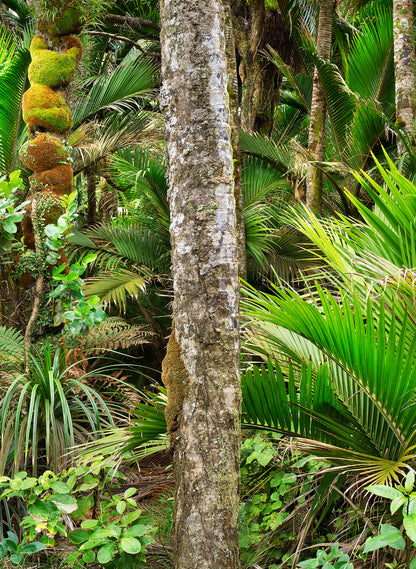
column 43, row 108
column 58, row 180
column 44, row 152
column 70, row 21
column 175, row 379
column 53, row 69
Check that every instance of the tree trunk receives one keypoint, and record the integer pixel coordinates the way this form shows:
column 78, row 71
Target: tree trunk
column 194, row 100
column 404, row 66
column 250, row 34
column 91, row 194
column 316, row 143
column 235, row 125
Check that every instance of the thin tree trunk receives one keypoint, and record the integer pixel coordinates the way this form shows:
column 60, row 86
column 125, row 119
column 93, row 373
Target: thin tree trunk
column 91, row 193
column 316, row 143
column 235, row 125
column 194, row 99
column 250, row 40
column 404, row 67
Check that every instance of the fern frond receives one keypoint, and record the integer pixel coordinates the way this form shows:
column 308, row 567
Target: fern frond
column 114, row 333
column 11, row 345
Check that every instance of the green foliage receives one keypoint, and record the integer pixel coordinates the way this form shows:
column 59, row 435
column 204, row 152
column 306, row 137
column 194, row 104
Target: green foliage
column 14, row 62
column 120, row 534
column 335, row 393
column 11, row 345
column 56, row 11
column 132, row 80
column 262, row 511
column 118, row 538
column 61, row 410
column 403, row 499
column 57, row 234
column 10, row 214
column 16, row 551
column 79, row 314
column 335, row 559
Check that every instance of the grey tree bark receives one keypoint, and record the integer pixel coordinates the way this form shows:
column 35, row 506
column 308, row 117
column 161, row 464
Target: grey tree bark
column 316, row 142
column 404, row 66
column 195, row 103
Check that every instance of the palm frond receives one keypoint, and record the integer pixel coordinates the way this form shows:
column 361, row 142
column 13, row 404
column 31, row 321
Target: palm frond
column 370, row 70
column 11, row 344
column 131, row 80
column 93, row 141
column 14, row 62
column 360, row 350
column 115, row 287
column 116, row 245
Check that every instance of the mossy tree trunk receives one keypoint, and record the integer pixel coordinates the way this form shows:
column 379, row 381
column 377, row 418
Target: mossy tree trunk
column 55, row 55
column 404, row 67
column 194, row 100
column 316, row 142
column 250, row 40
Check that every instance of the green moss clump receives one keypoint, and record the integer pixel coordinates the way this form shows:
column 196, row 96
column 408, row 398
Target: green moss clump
column 37, row 44
column 44, row 152
column 53, row 69
column 43, row 108
column 70, row 21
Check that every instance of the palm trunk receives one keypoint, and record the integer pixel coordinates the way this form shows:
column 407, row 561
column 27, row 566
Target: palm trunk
column 404, row 67
column 316, row 143
column 92, row 195
column 250, row 41
column 194, row 99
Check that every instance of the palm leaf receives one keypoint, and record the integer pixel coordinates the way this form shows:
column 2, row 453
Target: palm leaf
column 361, row 358
column 115, row 287
column 14, row 62
column 130, row 80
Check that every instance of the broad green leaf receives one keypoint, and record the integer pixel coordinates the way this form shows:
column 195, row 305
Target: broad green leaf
column 384, row 491
column 60, row 487
column 136, row 531
column 89, row 556
column 121, row 507
column 130, row 518
column 130, row 545
column 410, row 480
column 38, row 510
column 109, row 531
column 78, row 536
column 33, row 547
column 105, row 553
column 89, row 524
column 397, row 503
column 84, row 504
column 409, row 523
column 389, row 535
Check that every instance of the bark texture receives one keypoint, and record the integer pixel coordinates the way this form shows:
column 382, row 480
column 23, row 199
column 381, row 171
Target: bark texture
column 316, row 142
column 404, row 66
column 235, row 125
column 205, row 270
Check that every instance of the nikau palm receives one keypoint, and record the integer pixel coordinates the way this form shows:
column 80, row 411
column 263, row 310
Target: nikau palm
column 341, row 364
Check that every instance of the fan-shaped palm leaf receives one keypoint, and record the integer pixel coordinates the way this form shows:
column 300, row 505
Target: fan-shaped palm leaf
column 371, row 374
column 132, row 79
column 14, row 62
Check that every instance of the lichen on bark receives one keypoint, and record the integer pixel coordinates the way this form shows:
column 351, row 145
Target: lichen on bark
column 195, row 103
